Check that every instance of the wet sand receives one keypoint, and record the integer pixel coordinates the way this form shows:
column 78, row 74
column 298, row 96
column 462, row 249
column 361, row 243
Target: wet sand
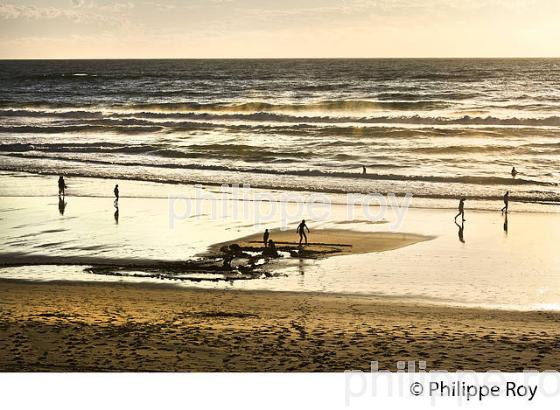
column 69, row 326
column 334, row 241
column 488, row 264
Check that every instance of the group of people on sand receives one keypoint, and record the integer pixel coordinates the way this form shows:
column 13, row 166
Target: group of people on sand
column 62, row 194
column 270, row 245
column 462, row 207
column 62, row 190
column 461, row 213
column 504, row 209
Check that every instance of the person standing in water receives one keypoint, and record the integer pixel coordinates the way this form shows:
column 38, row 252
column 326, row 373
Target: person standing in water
column 506, row 203
column 461, row 209
column 514, row 172
column 61, row 186
column 116, row 191
column 266, row 235
column 301, row 231
column 363, row 170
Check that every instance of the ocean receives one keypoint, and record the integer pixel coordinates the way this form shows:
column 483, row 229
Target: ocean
column 436, row 128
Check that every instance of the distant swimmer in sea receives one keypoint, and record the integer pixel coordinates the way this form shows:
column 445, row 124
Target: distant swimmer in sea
column 116, row 191
column 461, row 232
column 266, row 235
column 506, row 203
column 514, row 172
column 301, row 231
column 61, row 186
column 461, row 209
column 364, row 170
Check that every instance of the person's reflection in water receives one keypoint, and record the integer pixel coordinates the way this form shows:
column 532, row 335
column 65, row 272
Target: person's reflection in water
column 506, row 224
column 61, row 205
column 116, row 215
column 301, row 267
column 461, row 231
column 301, row 277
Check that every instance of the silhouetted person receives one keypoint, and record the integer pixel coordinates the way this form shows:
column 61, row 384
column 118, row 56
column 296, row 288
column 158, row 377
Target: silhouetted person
column 116, row 191
column 272, row 246
column 363, row 170
column 270, row 250
column 461, row 231
column 266, row 235
column 61, row 205
column 61, row 186
column 514, row 172
column 506, row 203
column 461, row 209
column 301, row 231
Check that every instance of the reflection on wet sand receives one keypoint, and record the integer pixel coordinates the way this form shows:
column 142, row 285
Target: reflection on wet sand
column 461, row 231
column 61, row 205
column 301, row 266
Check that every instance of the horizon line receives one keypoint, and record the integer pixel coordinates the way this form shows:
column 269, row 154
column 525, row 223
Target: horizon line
column 279, row 58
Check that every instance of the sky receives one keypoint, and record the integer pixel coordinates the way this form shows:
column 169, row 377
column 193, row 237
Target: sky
column 279, row 28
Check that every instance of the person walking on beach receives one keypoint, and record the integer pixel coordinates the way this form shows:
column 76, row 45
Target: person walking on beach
column 301, row 231
column 514, row 172
column 461, row 209
column 266, row 235
column 61, row 186
column 116, row 191
column 506, row 203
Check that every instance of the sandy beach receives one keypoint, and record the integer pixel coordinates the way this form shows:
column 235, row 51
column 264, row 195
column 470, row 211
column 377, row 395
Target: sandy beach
column 122, row 327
